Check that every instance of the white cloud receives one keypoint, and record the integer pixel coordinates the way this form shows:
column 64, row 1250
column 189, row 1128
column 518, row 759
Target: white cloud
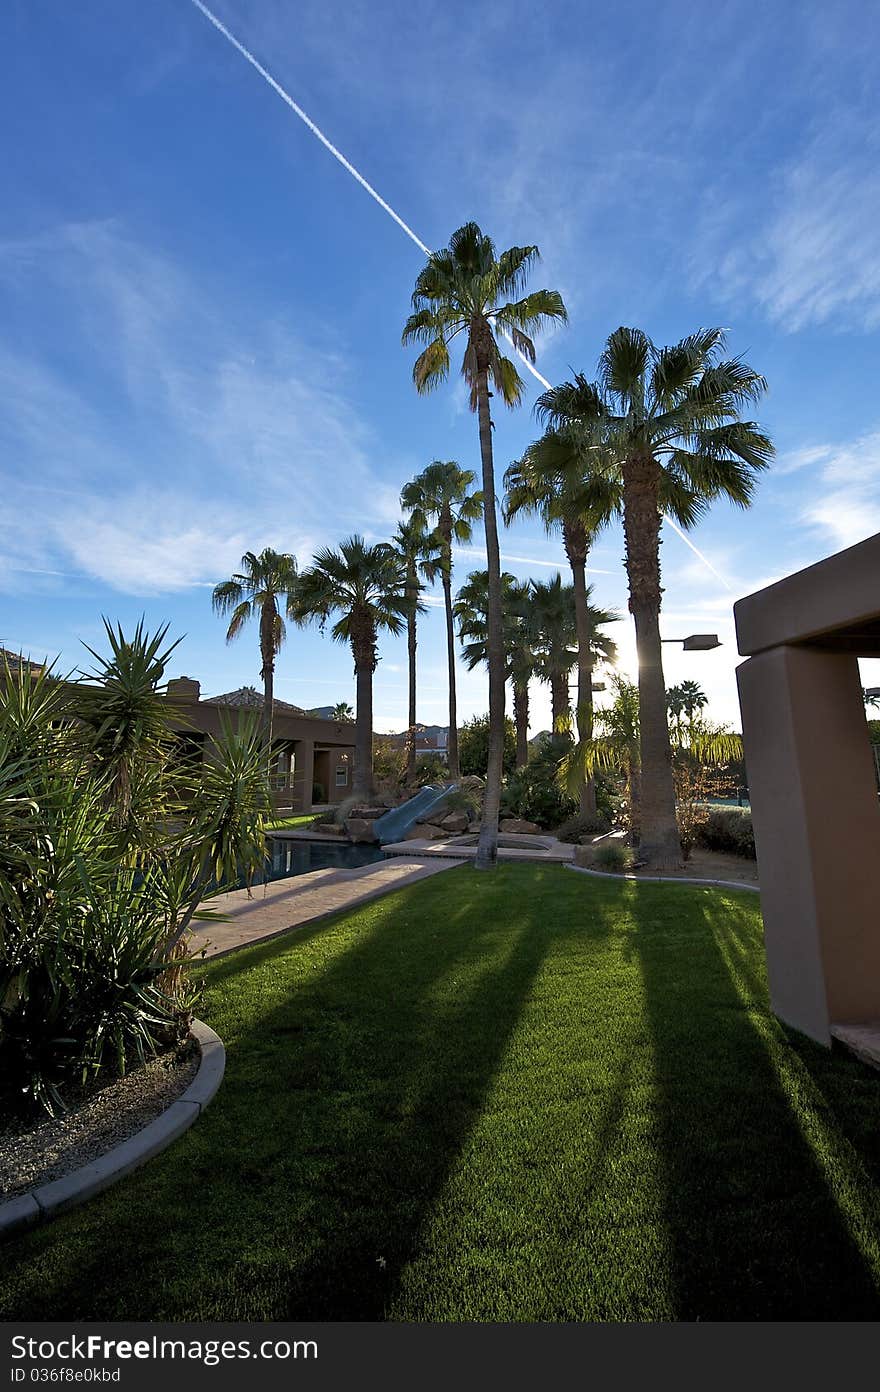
column 192, row 437
column 814, row 256
column 847, row 493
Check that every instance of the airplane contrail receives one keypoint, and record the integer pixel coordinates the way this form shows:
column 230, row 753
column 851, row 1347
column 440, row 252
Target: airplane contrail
column 697, row 552
column 386, row 207
column 337, row 154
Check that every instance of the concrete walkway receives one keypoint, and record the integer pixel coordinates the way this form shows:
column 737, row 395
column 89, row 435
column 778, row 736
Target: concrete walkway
column 294, row 902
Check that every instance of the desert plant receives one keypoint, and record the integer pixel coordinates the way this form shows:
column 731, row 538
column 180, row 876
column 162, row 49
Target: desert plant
column 104, row 864
column 614, row 857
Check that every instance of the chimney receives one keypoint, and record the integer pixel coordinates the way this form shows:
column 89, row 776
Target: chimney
column 183, row 689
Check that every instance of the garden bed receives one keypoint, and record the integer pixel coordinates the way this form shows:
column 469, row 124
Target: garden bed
column 37, row 1151
column 59, row 1164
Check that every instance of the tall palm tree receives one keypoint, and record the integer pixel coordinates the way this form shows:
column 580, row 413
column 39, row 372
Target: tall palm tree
column 442, row 504
column 467, row 289
column 560, row 479
column 671, row 423
column 471, row 613
column 412, row 547
column 556, row 637
column 365, row 586
column 264, row 583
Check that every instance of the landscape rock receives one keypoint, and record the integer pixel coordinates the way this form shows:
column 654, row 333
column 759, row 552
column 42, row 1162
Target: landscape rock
column 426, row 832
column 456, row 822
column 584, row 856
column 517, row 826
column 360, row 829
column 368, row 814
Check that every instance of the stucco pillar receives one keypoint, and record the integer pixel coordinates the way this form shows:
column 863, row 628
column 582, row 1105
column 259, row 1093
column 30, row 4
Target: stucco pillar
column 303, row 774
column 817, row 830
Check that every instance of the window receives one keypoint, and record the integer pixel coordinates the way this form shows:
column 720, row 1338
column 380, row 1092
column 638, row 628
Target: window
column 342, row 775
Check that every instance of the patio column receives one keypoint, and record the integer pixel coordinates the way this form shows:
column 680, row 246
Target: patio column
column 816, row 815
column 304, row 774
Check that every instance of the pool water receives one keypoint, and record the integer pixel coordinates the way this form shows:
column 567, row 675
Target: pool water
column 288, row 858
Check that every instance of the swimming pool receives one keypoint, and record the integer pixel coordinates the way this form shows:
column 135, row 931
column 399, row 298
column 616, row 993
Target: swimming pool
column 287, row 858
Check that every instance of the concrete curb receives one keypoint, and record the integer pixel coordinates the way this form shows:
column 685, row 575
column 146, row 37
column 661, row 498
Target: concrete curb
column 665, row 879
column 46, row 1201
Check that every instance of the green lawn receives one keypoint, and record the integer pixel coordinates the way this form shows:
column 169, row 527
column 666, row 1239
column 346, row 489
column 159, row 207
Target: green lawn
column 520, row 1096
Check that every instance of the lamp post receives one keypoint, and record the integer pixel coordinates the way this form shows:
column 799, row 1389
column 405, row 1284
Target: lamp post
column 696, row 642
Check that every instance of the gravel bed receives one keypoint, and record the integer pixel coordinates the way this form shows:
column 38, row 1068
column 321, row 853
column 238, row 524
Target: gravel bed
column 96, row 1122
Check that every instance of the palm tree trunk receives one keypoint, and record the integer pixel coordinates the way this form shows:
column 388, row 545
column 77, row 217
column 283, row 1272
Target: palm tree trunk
column 660, row 846
column 584, row 712
column 411, row 732
column 560, row 707
column 364, row 650
column 267, row 653
column 452, row 744
column 487, row 846
column 521, row 721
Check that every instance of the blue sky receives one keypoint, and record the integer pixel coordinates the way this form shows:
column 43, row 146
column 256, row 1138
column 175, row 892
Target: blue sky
column 200, row 310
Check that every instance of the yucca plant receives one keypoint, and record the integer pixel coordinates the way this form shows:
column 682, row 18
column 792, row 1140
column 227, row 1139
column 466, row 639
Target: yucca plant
column 108, row 850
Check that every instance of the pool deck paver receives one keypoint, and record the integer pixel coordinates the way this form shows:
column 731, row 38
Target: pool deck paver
column 295, row 902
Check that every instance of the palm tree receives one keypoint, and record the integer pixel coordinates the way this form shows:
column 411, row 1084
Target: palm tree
column 560, row 479
column 343, row 712
column 440, row 503
column 471, row 610
column 671, row 426
column 556, row 637
column 693, row 699
column 675, row 705
column 263, row 583
column 411, row 544
column 615, row 746
column 467, row 289
column 365, row 586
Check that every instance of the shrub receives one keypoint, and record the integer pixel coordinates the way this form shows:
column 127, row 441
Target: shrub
column 534, row 792
column 108, row 845
column 613, row 856
column 573, row 828
column 431, row 769
column 730, row 830
column 473, row 746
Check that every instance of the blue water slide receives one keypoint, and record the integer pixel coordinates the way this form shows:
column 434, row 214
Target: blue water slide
column 393, row 825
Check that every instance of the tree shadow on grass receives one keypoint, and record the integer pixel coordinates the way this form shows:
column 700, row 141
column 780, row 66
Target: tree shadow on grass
column 771, row 1213
column 349, row 1093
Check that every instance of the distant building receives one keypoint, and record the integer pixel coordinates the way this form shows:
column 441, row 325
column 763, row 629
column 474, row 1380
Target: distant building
column 431, row 741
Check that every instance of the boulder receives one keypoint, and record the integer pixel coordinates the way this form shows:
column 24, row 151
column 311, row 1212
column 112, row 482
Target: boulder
column 456, row 822
column 426, row 832
column 585, row 857
column 360, row 829
column 517, row 826
column 368, row 814
column 326, row 828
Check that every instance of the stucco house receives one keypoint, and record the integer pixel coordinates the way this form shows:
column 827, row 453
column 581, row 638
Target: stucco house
column 312, row 758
